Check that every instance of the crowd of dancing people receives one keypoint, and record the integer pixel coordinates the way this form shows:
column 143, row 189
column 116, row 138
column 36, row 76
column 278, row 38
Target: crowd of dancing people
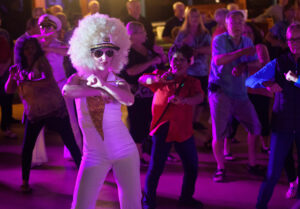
column 74, row 80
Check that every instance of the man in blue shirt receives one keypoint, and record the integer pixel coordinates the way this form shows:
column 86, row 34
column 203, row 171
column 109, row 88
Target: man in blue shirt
column 281, row 76
column 232, row 56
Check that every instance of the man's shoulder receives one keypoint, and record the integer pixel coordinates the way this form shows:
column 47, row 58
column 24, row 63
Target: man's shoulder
column 220, row 39
column 222, row 36
column 246, row 40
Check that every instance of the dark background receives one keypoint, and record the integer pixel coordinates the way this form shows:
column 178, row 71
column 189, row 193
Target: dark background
column 15, row 13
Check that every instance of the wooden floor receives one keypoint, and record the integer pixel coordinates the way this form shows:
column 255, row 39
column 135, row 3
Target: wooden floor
column 53, row 182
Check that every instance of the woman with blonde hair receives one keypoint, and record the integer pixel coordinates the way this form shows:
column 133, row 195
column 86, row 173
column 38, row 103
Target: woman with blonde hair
column 194, row 34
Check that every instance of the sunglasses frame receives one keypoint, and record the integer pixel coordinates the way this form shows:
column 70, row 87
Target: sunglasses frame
column 108, row 53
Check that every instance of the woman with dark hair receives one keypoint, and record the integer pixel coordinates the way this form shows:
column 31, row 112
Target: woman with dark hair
column 43, row 102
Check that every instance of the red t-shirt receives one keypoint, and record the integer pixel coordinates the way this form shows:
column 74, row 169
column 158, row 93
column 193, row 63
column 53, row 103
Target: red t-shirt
column 180, row 117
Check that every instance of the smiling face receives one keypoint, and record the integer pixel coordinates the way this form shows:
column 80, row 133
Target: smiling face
column 103, row 58
column 179, row 64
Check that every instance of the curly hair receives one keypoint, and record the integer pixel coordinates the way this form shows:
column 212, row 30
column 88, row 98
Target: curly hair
column 20, row 58
column 93, row 30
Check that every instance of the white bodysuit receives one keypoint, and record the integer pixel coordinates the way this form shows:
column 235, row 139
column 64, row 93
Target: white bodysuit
column 107, row 144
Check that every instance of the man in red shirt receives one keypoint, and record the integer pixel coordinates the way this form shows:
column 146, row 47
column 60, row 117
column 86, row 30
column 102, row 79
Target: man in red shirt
column 175, row 94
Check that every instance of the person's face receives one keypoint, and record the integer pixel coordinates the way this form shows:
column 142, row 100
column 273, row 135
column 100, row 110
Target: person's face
column 139, row 36
column 179, row 11
column 248, row 32
column 179, row 64
column 293, row 40
column 46, row 28
column 29, row 50
column 134, row 8
column 94, row 8
column 289, row 15
column 194, row 19
column 103, row 58
column 235, row 26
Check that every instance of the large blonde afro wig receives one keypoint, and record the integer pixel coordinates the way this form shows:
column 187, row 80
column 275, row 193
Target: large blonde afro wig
column 93, row 30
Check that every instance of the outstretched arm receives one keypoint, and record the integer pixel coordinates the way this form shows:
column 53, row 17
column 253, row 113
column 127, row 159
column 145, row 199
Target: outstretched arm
column 267, row 73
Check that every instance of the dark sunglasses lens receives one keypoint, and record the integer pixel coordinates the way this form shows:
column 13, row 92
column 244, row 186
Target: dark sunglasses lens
column 109, row 53
column 98, row 53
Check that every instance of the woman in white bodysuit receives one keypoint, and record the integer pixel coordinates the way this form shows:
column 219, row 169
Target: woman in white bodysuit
column 98, row 49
